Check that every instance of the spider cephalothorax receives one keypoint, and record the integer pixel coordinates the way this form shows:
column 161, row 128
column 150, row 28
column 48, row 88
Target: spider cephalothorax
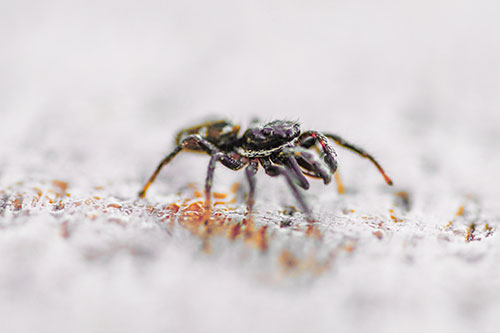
column 280, row 147
column 259, row 140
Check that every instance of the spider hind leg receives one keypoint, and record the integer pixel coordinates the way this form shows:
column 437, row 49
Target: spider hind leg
column 202, row 144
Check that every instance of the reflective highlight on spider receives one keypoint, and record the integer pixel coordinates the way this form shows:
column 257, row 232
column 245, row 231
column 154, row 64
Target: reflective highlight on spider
column 280, row 147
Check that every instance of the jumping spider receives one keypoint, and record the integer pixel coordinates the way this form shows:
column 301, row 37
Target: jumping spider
column 279, row 146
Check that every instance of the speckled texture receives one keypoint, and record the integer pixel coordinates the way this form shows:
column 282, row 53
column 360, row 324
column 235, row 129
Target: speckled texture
column 91, row 95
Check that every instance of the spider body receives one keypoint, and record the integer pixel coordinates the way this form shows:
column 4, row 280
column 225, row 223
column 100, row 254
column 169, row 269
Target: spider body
column 261, row 141
column 280, row 147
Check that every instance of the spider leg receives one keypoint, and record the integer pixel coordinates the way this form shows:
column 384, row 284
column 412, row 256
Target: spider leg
column 164, row 162
column 291, row 164
column 286, row 158
column 309, row 138
column 305, row 141
column 314, row 166
column 309, row 170
column 276, row 170
column 341, row 142
column 250, row 172
column 188, row 143
column 227, row 161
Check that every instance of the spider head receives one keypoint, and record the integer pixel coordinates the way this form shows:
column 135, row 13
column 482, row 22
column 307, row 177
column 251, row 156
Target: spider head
column 270, row 135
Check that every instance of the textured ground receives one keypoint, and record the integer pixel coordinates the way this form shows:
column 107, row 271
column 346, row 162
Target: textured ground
column 91, row 95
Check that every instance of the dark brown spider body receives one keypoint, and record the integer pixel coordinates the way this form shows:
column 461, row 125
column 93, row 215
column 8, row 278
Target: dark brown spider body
column 280, row 147
column 220, row 133
column 261, row 140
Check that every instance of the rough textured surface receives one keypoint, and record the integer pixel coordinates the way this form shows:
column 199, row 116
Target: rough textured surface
column 91, row 95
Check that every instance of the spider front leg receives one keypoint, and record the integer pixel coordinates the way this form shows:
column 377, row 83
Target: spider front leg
column 276, row 170
column 312, row 165
column 309, row 138
column 341, row 142
column 286, row 159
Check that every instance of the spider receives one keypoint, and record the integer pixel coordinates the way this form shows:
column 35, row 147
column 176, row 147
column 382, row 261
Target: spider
column 279, row 146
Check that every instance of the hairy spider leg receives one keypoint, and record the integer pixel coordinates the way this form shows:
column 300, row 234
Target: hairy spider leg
column 227, row 161
column 187, row 143
column 309, row 170
column 164, row 162
column 315, row 167
column 250, row 172
column 308, row 141
column 291, row 164
column 330, row 154
column 276, row 170
column 341, row 142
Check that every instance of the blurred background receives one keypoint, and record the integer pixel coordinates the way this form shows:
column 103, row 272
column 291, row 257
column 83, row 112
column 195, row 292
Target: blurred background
column 107, row 83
